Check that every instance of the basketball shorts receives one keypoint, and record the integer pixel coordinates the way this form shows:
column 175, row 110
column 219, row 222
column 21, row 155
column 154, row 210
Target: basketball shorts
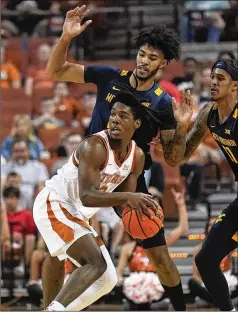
column 159, row 238
column 59, row 222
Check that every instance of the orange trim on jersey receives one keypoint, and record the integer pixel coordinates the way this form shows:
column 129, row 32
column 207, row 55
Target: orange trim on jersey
column 74, row 219
column 134, row 160
column 99, row 241
column 75, row 161
column 105, row 144
column 64, row 231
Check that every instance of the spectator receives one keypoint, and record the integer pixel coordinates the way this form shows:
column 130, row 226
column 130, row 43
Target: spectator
column 33, row 286
column 66, row 103
column 14, row 180
column 189, row 79
column 195, row 284
column 10, row 75
column 22, row 129
column 111, row 229
column 47, row 118
column 133, row 255
column 226, row 55
column 201, row 25
column 5, row 232
column 52, row 25
column 33, row 173
column 168, row 86
column 204, row 86
column 22, row 226
column 88, row 102
column 37, row 76
column 69, row 143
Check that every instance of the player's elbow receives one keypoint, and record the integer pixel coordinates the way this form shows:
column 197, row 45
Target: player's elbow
column 86, row 199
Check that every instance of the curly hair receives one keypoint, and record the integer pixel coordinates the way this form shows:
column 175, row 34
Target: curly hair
column 162, row 38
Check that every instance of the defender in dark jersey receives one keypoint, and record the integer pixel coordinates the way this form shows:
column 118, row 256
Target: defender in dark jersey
column 221, row 118
column 156, row 47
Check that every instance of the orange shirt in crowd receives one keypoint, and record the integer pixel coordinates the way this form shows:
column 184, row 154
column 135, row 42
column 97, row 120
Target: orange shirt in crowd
column 41, row 79
column 9, row 73
column 139, row 261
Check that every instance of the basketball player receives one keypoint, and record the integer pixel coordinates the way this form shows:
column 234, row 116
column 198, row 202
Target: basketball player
column 101, row 163
column 221, row 118
column 156, row 47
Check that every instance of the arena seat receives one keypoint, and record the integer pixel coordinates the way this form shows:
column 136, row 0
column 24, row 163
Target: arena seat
column 49, row 162
column 16, row 54
column 79, row 89
column 14, row 101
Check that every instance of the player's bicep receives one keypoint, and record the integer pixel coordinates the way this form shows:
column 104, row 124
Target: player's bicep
column 92, row 157
column 71, row 72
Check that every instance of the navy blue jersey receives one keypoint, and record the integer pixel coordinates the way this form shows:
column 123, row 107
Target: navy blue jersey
column 106, row 78
column 226, row 135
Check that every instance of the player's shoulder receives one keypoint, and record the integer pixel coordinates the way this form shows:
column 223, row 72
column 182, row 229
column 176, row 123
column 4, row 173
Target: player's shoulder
column 161, row 97
column 139, row 154
column 93, row 145
column 206, row 109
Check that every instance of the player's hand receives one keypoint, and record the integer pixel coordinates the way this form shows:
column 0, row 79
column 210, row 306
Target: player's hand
column 143, row 203
column 183, row 112
column 178, row 197
column 72, row 25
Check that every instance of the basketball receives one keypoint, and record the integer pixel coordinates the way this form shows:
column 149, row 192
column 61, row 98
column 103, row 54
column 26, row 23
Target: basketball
column 138, row 228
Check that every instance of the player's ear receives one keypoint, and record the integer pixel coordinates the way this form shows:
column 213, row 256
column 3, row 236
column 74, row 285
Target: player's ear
column 163, row 64
column 138, row 123
column 235, row 86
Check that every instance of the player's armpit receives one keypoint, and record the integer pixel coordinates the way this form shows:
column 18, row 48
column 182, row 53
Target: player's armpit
column 198, row 132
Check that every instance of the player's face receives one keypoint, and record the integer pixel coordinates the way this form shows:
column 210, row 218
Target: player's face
column 221, row 84
column 148, row 61
column 122, row 123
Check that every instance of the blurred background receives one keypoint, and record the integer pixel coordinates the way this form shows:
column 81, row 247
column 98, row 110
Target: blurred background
column 43, row 121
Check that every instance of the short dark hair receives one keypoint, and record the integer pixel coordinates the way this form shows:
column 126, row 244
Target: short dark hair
column 129, row 99
column 11, row 192
column 190, row 59
column 230, row 53
column 13, row 174
column 162, row 38
column 18, row 140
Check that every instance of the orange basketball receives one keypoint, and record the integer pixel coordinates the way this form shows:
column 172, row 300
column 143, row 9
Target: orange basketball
column 138, row 228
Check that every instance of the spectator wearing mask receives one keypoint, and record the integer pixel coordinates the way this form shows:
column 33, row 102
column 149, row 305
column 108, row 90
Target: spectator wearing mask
column 69, row 143
column 10, row 75
column 14, row 180
column 32, row 172
column 22, row 226
column 189, row 79
column 37, row 76
column 47, row 118
column 22, row 129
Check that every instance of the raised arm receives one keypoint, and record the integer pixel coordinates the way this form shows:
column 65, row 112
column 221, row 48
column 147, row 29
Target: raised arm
column 57, row 66
column 198, row 132
column 92, row 155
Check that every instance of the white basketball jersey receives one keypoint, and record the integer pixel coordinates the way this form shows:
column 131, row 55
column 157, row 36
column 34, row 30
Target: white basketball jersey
column 113, row 173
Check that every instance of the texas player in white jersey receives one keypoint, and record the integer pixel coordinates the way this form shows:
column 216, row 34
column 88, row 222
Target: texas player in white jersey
column 105, row 162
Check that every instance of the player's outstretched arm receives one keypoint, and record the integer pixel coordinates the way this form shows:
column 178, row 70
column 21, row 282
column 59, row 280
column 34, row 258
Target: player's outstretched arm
column 57, row 66
column 198, row 132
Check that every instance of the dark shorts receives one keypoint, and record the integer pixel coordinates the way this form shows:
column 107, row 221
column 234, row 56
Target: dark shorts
column 159, row 238
column 223, row 236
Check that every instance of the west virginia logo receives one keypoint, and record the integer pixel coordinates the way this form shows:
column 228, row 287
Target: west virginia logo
column 227, row 131
column 219, row 218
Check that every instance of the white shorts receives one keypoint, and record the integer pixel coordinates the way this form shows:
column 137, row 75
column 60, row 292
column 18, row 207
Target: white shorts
column 59, row 222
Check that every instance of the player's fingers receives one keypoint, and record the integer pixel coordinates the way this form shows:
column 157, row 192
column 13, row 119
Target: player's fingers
column 85, row 25
column 152, row 204
column 174, row 104
column 81, row 11
column 71, row 12
column 140, row 212
column 84, row 14
column 147, row 212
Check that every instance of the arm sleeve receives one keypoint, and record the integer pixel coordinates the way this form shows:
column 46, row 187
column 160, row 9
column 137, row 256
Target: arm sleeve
column 167, row 114
column 99, row 74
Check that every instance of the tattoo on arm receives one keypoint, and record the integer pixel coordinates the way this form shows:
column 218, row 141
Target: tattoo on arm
column 198, row 132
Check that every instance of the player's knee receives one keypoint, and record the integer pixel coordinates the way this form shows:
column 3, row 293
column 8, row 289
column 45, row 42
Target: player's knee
column 202, row 260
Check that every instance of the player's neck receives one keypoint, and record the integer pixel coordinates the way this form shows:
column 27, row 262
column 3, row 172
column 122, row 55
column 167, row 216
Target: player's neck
column 120, row 148
column 140, row 84
column 225, row 107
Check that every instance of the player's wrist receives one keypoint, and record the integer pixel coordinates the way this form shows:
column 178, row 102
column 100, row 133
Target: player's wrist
column 66, row 37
